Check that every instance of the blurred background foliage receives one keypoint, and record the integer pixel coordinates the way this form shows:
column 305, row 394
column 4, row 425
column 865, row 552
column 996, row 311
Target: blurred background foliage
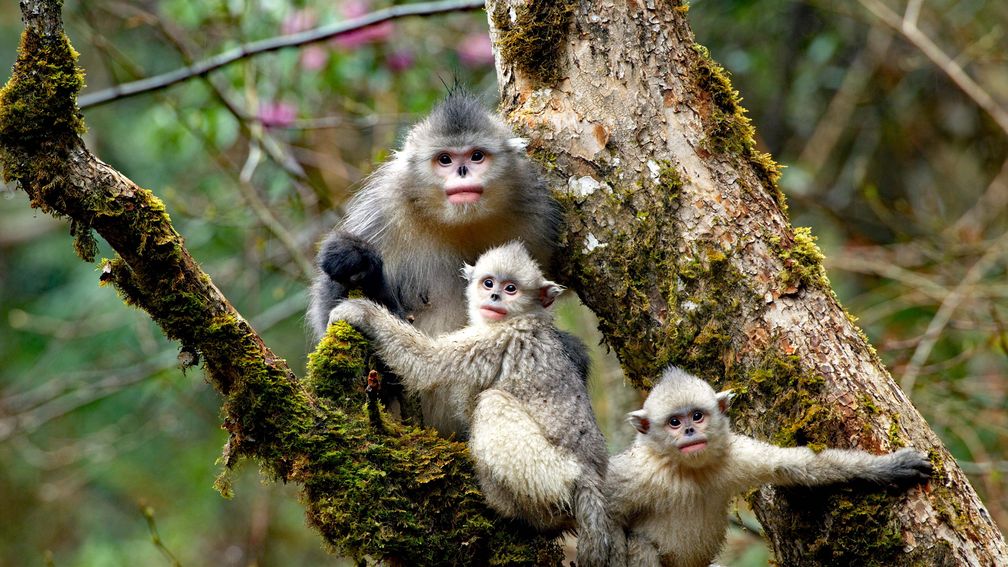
column 901, row 171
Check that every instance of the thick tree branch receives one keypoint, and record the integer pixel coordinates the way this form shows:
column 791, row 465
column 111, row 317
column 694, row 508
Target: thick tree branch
column 386, row 492
column 201, row 68
column 678, row 239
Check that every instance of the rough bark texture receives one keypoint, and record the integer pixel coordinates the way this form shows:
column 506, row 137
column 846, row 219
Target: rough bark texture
column 679, row 240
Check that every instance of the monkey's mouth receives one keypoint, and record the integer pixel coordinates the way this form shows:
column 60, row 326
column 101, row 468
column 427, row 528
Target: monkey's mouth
column 464, row 194
column 693, row 447
column 492, row 312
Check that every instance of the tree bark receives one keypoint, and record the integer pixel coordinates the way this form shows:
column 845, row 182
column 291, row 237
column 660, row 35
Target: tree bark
column 679, row 240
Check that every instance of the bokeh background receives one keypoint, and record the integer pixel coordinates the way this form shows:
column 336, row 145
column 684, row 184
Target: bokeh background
column 107, row 449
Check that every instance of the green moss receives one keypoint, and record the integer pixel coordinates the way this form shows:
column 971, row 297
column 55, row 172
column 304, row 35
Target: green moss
column 727, row 128
column 396, row 491
column 38, row 104
column 40, row 124
column 535, row 40
column 802, row 259
column 338, row 365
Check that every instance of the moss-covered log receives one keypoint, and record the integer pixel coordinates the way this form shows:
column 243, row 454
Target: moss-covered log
column 678, row 239
column 372, row 487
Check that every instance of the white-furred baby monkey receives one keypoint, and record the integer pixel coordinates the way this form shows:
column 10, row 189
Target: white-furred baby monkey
column 671, row 489
column 519, row 382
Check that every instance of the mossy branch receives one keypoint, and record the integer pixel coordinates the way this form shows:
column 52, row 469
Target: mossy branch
column 381, row 492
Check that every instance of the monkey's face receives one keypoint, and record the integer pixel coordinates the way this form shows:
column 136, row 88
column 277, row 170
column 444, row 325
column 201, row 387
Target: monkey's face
column 463, row 172
column 507, row 282
column 685, row 420
column 465, row 181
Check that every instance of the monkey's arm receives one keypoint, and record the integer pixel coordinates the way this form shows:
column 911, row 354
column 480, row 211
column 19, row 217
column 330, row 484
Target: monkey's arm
column 753, row 463
column 422, row 362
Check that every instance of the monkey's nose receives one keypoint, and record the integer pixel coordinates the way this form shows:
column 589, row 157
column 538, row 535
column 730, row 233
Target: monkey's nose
column 463, row 171
column 495, row 296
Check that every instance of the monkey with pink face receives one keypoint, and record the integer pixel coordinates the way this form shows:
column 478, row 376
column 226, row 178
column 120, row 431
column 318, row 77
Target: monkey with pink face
column 671, row 489
column 461, row 184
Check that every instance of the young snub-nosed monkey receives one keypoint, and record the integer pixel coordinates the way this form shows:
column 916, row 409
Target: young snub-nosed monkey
column 519, row 382
column 671, row 489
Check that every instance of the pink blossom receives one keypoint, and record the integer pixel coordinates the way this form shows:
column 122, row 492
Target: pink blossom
column 277, row 114
column 475, row 50
column 314, row 57
column 355, row 8
column 399, row 60
column 371, row 34
column 299, row 21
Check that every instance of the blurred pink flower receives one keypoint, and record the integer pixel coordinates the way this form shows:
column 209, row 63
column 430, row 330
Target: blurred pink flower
column 399, row 60
column 277, row 114
column 475, row 50
column 371, row 34
column 299, row 21
column 355, row 8
column 314, row 57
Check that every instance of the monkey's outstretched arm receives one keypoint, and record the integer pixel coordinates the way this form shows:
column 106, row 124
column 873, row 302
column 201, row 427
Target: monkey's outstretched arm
column 422, row 362
column 754, row 463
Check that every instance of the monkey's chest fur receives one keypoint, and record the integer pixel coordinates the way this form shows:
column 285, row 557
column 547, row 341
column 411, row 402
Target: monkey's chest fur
column 533, row 435
column 687, row 515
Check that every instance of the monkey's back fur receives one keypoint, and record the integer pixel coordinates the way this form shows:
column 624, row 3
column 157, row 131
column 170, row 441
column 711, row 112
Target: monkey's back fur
column 533, row 433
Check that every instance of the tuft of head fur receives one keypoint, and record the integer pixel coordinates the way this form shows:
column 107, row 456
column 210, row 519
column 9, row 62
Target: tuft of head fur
column 459, row 120
column 676, row 392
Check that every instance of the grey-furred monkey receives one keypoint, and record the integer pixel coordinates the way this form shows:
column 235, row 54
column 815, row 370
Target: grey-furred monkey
column 538, row 451
column 671, row 489
column 460, row 185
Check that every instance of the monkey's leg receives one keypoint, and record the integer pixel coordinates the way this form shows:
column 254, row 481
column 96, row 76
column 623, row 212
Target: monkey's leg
column 641, row 552
column 512, row 453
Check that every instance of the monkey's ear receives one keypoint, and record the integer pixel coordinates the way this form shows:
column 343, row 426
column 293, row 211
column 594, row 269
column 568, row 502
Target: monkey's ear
column 517, row 144
column 467, row 272
column 639, row 420
column 724, row 400
column 549, row 292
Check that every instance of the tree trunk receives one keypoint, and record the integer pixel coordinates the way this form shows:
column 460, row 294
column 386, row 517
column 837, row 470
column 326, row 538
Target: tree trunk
column 679, row 240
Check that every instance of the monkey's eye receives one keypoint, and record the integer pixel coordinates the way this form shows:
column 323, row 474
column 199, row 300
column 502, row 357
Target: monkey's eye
column 477, row 156
column 510, row 289
column 444, row 159
column 674, row 422
column 697, row 416
column 488, row 283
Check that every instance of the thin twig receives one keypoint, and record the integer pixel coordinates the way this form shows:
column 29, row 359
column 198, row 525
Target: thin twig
column 148, row 514
column 254, row 48
column 907, row 26
column 946, row 309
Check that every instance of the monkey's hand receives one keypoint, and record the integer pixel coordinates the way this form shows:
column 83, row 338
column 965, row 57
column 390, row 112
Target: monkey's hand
column 357, row 312
column 351, row 261
column 904, row 467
